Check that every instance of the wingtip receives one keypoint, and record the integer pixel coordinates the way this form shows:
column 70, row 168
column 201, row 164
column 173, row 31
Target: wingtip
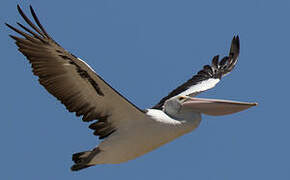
column 8, row 25
column 19, row 8
column 13, row 37
column 31, row 8
column 215, row 61
column 236, row 41
column 77, row 167
column 235, row 47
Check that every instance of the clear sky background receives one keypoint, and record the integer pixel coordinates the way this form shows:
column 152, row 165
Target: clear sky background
column 144, row 49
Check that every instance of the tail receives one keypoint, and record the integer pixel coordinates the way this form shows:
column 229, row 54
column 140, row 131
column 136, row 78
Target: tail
column 82, row 159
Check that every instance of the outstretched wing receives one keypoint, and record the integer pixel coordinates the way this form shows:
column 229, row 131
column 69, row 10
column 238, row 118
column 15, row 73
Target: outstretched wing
column 209, row 76
column 72, row 81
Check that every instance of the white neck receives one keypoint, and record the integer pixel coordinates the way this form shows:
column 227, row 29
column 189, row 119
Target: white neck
column 183, row 117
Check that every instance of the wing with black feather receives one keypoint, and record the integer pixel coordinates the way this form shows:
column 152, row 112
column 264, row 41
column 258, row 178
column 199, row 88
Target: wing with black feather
column 209, row 76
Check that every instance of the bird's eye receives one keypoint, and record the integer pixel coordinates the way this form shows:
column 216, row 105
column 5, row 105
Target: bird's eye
column 181, row 98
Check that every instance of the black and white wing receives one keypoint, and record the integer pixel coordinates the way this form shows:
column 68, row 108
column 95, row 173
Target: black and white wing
column 72, row 81
column 209, row 76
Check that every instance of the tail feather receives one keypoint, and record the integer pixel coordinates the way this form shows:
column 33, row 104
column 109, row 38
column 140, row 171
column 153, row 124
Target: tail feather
column 82, row 159
column 79, row 157
column 77, row 167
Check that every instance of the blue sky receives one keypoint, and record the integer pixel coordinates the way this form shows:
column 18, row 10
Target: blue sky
column 144, row 49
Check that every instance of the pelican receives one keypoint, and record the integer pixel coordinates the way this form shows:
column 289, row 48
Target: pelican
column 126, row 132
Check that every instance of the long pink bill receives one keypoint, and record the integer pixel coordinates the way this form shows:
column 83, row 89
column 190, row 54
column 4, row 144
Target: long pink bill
column 216, row 107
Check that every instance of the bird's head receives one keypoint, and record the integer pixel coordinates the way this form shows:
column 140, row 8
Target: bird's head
column 173, row 105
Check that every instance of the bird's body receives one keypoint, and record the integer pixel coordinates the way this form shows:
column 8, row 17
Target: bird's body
column 126, row 132
column 156, row 129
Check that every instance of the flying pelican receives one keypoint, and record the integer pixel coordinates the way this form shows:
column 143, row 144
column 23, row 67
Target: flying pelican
column 127, row 132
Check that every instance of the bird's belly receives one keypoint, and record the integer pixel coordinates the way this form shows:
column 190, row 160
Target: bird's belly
column 123, row 146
